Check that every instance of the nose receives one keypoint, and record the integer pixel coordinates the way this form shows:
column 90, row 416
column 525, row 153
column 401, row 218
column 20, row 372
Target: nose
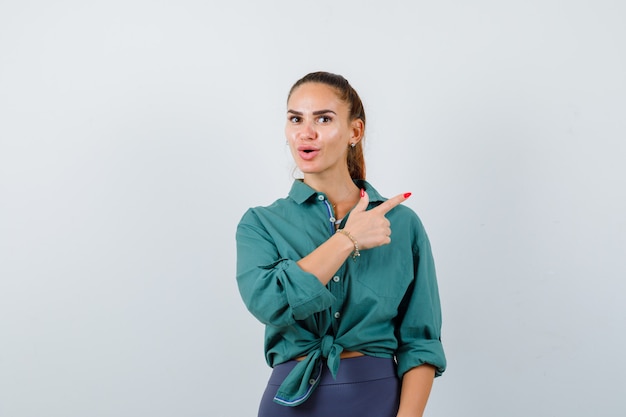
column 307, row 131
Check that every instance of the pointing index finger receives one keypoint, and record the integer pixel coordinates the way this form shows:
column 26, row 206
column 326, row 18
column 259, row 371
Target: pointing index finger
column 392, row 202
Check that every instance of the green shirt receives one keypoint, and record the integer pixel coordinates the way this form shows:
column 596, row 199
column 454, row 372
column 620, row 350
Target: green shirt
column 384, row 303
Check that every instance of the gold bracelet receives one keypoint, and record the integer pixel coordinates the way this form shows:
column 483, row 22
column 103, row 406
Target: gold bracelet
column 356, row 244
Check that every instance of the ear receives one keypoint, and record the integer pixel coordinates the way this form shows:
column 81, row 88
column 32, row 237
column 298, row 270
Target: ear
column 357, row 129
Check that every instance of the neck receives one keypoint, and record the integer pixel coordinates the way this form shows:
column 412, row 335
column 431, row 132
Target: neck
column 342, row 193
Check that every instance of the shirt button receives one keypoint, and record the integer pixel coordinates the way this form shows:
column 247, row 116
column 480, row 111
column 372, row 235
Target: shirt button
column 336, row 278
column 320, row 197
column 311, row 382
column 337, row 315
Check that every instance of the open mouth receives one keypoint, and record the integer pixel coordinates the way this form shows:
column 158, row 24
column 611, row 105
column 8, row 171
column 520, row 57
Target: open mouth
column 307, row 152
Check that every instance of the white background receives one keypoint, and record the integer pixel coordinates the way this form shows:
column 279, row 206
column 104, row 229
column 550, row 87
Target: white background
column 134, row 134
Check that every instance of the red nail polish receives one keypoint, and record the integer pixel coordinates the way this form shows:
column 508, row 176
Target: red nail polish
column 407, row 195
column 362, row 193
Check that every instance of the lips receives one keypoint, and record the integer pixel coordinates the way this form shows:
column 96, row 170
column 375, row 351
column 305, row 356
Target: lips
column 307, row 152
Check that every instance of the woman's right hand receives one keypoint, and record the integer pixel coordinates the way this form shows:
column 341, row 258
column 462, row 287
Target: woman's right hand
column 370, row 228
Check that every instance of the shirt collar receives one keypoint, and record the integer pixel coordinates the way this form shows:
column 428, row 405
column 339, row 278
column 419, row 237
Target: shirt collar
column 301, row 192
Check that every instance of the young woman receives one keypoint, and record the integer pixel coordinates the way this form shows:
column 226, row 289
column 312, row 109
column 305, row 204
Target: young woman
column 352, row 313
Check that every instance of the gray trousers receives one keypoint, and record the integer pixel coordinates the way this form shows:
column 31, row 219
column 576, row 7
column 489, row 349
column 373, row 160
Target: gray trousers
column 365, row 387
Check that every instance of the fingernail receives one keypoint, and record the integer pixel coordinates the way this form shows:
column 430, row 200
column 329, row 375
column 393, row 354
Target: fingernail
column 362, row 193
column 407, row 195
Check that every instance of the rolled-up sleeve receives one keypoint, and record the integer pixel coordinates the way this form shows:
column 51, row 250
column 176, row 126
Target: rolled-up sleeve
column 275, row 289
column 419, row 332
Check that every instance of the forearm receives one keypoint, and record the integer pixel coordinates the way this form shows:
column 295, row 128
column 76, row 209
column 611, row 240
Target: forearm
column 369, row 227
column 324, row 261
column 416, row 386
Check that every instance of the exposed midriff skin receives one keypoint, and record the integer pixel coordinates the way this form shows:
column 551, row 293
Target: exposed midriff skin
column 346, row 354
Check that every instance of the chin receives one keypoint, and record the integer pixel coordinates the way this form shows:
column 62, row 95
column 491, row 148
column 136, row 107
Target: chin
column 307, row 169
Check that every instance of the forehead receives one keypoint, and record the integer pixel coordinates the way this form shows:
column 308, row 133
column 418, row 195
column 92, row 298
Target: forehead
column 315, row 96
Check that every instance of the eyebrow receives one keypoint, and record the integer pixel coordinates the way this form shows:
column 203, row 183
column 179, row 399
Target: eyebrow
column 315, row 113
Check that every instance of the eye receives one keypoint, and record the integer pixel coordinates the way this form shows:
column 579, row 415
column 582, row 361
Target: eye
column 324, row 119
column 294, row 119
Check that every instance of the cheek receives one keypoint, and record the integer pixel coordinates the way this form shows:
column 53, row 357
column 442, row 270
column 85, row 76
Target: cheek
column 290, row 132
column 338, row 137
